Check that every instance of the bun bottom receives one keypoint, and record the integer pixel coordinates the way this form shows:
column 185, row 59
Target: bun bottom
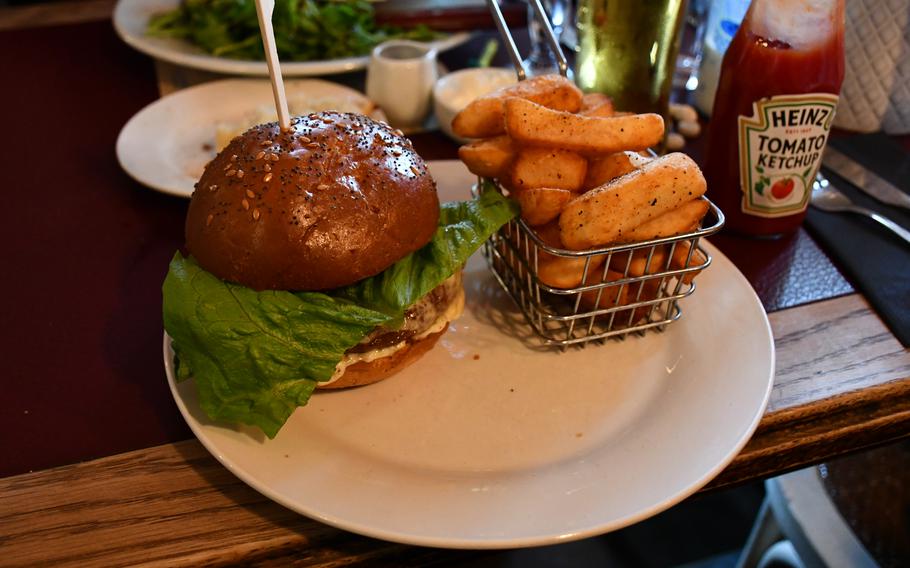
column 365, row 373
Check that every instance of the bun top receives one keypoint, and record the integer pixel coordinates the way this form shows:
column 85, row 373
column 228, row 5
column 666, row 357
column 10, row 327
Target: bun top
column 335, row 199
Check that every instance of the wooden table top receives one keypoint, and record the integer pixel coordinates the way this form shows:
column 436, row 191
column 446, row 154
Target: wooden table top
column 117, row 478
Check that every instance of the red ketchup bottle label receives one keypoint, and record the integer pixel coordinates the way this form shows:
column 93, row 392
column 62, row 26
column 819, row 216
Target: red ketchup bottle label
column 780, row 150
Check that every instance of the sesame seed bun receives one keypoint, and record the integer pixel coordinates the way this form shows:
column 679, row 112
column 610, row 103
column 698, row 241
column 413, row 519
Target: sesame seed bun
column 337, row 198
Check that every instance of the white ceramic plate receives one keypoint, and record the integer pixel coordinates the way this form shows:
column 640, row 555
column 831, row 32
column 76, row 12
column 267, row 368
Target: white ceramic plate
column 167, row 144
column 487, row 442
column 131, row 19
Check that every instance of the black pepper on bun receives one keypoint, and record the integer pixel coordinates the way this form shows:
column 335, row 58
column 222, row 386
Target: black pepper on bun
column 335, row 199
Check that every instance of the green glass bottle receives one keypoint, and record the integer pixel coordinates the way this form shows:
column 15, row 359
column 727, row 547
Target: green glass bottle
column 627, row 50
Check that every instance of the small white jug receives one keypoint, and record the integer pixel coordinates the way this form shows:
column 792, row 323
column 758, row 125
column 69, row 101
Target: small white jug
column 400, row 78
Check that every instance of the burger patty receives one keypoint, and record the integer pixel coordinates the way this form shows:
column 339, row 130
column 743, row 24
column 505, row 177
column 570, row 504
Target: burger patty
column 417, row 318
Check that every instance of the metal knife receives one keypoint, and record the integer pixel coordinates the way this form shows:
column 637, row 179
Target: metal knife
column 868, row 181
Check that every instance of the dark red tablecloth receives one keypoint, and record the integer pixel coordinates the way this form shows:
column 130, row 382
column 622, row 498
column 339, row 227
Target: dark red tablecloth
column 88, row 249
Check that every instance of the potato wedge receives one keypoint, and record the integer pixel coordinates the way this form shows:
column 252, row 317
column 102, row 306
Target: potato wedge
column 677, row 221
column 532, row 124
column 619, row 295
column 489, row 157
column 680, row 255
column 639, row 265
column 549, row 234
column 608, row 214
column 639, row 159
column 540, row 205
column 547, row 167
column 562, row 272
column 483, row 117
column 606, row 168
column 597, row 104
column 608, row 296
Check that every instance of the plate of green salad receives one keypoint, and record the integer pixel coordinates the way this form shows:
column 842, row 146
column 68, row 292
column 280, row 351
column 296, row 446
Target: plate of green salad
column 314, row 37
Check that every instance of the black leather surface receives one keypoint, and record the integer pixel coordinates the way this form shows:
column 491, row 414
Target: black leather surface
column 785, row 272
column 876, row 261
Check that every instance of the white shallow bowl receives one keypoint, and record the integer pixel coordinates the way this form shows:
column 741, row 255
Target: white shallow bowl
column 167, row 144
column 489, row 441
column 454, row 91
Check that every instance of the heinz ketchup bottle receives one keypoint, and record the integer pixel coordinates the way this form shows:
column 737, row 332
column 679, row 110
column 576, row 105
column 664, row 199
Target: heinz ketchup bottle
column 775, row 104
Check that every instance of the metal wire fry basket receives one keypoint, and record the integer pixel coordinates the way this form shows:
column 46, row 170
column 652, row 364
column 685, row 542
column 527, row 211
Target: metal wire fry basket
column 573, row 297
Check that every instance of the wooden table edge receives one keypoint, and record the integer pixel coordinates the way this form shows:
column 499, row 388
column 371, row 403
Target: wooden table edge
column 852, row 422
column 188, row 509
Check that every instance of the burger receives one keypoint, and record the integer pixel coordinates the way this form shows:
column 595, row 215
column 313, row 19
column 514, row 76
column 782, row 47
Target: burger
column 316, row 257
column 335, row 200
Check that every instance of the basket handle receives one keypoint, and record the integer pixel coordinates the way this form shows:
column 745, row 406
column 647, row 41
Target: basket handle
column 541, row 17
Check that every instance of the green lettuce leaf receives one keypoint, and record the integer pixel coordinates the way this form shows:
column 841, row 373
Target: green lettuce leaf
column 305, row 30
column 257, row 356
column 463, row 227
